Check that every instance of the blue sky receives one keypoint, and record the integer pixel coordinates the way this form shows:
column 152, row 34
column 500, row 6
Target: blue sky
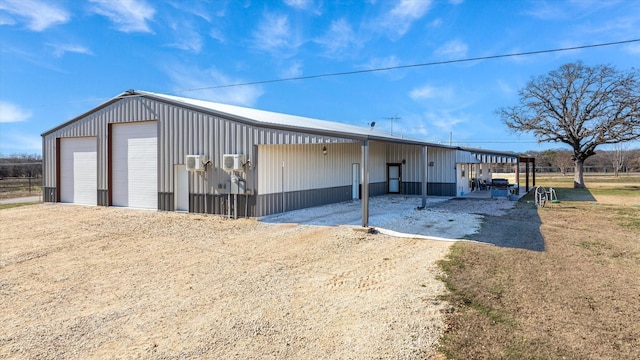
column 59, row 59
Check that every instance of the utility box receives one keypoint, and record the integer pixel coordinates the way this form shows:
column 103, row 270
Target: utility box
column 238, row 185
column 232, row 162
column 195, row 162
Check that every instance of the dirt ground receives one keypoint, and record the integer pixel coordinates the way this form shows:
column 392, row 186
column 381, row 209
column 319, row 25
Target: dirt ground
column 92, row 282
column 575, row 296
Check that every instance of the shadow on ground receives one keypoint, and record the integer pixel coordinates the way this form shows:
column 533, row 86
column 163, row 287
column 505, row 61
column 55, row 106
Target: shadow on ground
column 518, row 228
column 571, row 194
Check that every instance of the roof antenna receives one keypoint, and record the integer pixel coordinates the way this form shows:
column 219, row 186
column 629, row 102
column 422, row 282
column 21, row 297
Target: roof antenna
column 372, row 124
column 392, row 119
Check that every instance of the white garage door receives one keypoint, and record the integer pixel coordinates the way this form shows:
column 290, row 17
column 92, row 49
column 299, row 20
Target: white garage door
column 134, row 165
column 78, row 171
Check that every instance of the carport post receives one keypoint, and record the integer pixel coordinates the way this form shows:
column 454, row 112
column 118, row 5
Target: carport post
column 425, row 166
column 365, row 183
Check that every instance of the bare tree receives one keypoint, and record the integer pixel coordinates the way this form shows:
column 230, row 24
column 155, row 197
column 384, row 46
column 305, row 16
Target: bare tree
column 617, row 157
column 580, row 106
column 563, row 160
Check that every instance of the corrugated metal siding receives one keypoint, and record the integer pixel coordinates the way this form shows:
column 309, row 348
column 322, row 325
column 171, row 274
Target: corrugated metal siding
column 410, row 156
column 377, row 162
column 305, row 166
column 95, row 124
column 181, row 132
column 444, row 163
column 466, row 157
column 186, row 132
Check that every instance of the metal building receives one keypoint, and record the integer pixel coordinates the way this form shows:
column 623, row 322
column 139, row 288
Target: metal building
column 155, row 151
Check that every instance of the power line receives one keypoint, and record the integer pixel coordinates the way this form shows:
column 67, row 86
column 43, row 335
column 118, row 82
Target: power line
column 354, row 72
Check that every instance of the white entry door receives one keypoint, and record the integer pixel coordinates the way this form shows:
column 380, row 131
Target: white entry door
column 393, row 178
column 355, row 182
column 135, row 165
column 181, row 188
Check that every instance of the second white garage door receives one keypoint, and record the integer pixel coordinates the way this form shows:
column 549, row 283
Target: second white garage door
column 134, row 165
column 78, row 171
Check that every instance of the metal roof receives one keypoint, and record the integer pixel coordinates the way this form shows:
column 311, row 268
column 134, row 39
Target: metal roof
column 285, row 121
column 278, row 120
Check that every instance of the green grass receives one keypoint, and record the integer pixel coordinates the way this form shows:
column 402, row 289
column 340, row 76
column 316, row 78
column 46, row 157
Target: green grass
column 574, row 300
column 629, row 218
column 11, row 206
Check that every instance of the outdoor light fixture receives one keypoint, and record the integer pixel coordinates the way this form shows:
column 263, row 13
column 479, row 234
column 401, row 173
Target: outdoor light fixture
column 324, row 150
column 431, row 163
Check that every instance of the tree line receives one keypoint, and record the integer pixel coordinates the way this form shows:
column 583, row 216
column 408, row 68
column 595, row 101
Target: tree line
column 21, row 165
column 612, row 161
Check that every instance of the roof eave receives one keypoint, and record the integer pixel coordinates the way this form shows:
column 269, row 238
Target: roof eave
column 95, row 109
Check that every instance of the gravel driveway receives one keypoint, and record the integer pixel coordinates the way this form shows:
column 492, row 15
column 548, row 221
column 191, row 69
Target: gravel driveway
column 444, row 218
column 82, row 282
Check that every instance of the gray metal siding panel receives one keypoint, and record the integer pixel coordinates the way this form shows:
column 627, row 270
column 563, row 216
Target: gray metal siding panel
column 411, row 188
column 268, row 204
column 166, row 201
column 95, row 124
column 378, row 188
column 441, row 189
column 49, row 194
column 103, row 197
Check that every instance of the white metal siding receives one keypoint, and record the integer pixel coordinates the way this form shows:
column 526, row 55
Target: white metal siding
column 443, row 169
column 135, row 165
column 181, row 188
column 305, row 166
column 78, row 171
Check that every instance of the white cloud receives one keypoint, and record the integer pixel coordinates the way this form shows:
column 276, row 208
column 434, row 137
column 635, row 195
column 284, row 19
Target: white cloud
column 339, row 39
column 444, row 120
column 187, row 38
column 293, row 71
column 563, row 10
column 199, row 9
column 433, row 125
column 453, row 49
column 412, row 126
column 545, row 11
column 382, row 63
column 398, row 21
column 60, row 49
column 633, row 49
column 185, row 78
column 385, row 63
column 16, row 142
column 10, row 112
column 428, row 92
column 273, row 33
column 505, row 88
column 218, row 35
column 127, row 15
column 299, row 4
column 436, row 23
column 39, row 15
column 6, row 19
